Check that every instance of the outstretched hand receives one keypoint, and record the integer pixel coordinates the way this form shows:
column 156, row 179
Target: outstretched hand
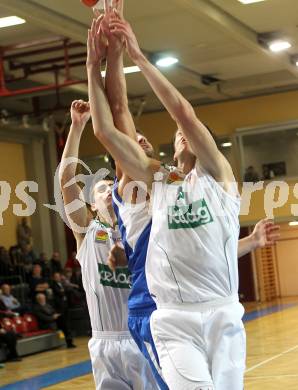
column 80, row 113
column 112, row 10
column 96, row 43
column 265, row 233
column 122, row 29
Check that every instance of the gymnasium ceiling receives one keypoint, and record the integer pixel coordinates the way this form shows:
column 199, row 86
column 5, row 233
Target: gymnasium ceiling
column 213, row 38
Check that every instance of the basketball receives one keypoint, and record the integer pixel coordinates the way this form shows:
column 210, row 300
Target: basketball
column 90, row 3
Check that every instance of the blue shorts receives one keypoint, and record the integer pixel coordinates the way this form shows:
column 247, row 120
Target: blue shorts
column 139, row 326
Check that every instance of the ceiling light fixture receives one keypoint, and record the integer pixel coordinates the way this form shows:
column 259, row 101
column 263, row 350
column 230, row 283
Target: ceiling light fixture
column 126, row 70
column 278, row 46
column 250, row 1
column 162, row 154
column 226, row 144
column 293, row 223
column 131, row 69
column 166, row 61
column 11, row 21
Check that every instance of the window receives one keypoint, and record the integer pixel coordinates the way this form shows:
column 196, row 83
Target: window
column 271, row 151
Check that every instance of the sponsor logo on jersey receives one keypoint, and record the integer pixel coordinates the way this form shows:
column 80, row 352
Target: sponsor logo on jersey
column 185, row 216
column 101, row 236
column 120, row 278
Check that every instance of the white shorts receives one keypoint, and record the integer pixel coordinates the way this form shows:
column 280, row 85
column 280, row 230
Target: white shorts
column 117, row 363
column 201, row 346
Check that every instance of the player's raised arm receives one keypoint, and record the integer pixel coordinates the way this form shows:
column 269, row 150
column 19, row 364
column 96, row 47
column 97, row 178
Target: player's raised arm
column 265, row 233
column 124, row 150
column 80, row 114
column 115, row 83
column 198, row 136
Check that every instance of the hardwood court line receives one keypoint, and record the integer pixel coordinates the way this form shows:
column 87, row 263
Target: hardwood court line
column 259, row 313
column 272, row 376
column 51, row 378
column 272, row 358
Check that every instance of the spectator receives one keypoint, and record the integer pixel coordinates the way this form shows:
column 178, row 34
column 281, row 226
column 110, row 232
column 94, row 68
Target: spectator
column 72, row 262
column 4, row 312
column 17, row 260
column 268, row 173
column 73, row 291
column 251, row 175
column 48, row 318
column 77, row 278
column 24, row 233
column 10, row 301
column 45, row 266
column 59, row 293
column 6, row 268
column 55, row 263
column 10, row 340
column 28, row 257
column 37, row 282
column 67, row 279
column 15, row 254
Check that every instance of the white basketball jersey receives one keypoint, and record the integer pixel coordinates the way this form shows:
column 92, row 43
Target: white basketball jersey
column 106, row 291
column 192, row 253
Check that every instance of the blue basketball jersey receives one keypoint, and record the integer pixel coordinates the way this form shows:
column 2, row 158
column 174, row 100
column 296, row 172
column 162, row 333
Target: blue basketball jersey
column 135, row 226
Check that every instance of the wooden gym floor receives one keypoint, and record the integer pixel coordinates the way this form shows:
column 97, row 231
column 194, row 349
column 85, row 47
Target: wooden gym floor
column 272, row 356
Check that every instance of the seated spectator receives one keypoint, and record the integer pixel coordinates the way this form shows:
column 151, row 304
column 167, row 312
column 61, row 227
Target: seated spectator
column 10, row 340
column 251, row 175
column 45, row 265
column 37, row 282
column 10, row 301
column 48, row 318
column 24, row 233
column 55, row 263
column 4, row 312
column 72, row 262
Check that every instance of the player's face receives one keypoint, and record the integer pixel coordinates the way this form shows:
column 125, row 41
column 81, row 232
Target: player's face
column 102, row 195
column 145, row 145
column 181, row 145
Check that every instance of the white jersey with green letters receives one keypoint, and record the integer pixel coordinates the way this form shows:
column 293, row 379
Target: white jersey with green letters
column 192, row 253
column 106, row 291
